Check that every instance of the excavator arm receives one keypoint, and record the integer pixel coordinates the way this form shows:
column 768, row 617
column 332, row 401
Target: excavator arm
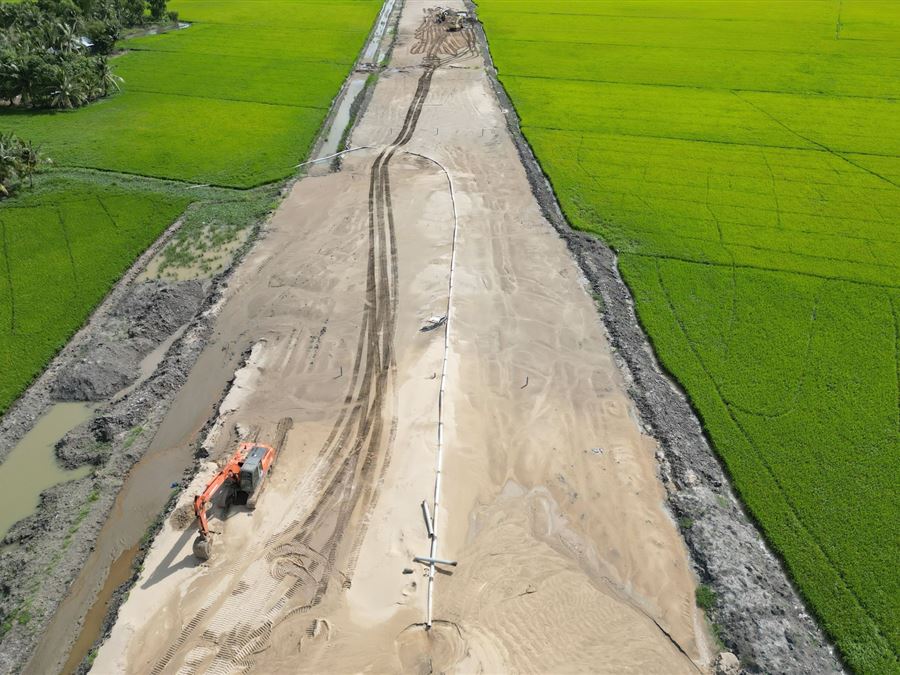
column 231, row 470
column 229, row 473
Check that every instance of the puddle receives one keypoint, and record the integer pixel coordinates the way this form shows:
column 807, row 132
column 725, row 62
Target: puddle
column 149, row 363
column 32, row 467
column 203, row 265
column 342, row 117
column 159, row 30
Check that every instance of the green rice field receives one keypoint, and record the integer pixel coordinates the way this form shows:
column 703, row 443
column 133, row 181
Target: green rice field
column 234, row 101
column 743, row 158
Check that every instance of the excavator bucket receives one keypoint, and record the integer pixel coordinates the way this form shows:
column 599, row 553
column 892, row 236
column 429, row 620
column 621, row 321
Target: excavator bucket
column 202, row 547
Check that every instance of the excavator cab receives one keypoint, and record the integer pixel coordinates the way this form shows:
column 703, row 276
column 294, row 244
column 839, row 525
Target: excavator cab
column 252, row 470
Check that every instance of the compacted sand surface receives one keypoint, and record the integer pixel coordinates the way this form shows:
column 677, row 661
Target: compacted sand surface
column 550, row 499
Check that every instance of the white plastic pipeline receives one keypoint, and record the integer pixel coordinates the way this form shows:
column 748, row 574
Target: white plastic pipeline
column 342, row 152
column 440, row 429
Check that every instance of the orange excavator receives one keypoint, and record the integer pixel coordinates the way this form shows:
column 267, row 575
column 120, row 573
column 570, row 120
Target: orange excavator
column 242, row 476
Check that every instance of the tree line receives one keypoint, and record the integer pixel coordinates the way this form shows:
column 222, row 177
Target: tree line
column 54, row 53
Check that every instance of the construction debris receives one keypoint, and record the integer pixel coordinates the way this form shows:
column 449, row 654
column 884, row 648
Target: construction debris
column 433, row 322
column 454, row 20
column 425, row 560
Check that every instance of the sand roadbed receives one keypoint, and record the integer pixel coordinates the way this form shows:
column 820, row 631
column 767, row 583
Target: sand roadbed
column 551, row 500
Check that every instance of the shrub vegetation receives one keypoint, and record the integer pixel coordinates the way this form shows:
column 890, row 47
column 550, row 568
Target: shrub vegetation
column 744, row 161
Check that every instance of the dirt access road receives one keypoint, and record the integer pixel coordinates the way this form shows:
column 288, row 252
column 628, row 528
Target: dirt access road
column 550, row 499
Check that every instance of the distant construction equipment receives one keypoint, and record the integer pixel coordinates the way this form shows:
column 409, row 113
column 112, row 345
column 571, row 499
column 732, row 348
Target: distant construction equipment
column 453, row 20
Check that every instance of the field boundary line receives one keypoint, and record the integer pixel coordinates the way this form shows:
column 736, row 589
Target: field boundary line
column 223, row 98
column 816, row 148
column 85, row 174
column 764, row 249
column 65, row 233
column 761, row 209
column 657, row 17
column 115, row 223
column 670, row 47
column 754, row 267
column 140, row 48
column 667, row 85
column 183, row 181
column 837, row 153
column 273, row 25
column 818, row 233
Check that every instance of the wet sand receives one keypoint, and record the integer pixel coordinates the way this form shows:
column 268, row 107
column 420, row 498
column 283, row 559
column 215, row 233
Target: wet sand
column 550, row 497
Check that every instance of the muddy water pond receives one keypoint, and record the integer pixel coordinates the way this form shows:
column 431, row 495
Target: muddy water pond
column 32, row 467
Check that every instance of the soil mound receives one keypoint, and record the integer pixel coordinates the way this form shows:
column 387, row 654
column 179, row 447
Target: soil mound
column 148, row 314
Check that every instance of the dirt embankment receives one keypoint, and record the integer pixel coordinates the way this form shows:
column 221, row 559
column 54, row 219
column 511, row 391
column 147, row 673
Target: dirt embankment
column 757, row 613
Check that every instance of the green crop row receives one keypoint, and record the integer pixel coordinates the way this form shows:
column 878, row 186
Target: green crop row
column 744, row 160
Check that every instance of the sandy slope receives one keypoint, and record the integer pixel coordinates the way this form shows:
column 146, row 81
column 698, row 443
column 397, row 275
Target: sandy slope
column 551, row 504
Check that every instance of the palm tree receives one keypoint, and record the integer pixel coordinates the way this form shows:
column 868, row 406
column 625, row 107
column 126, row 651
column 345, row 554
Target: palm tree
column 9, row 162
column 18, row 159
column 108, row 79
column 65, row 37
column 69, row 93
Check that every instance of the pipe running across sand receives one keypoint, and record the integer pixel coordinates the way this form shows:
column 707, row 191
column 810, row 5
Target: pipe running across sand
column 429, row 612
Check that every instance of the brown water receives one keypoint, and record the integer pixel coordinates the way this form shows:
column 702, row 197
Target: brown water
column 32, row 467
column 332, row 140
column 119, row 573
